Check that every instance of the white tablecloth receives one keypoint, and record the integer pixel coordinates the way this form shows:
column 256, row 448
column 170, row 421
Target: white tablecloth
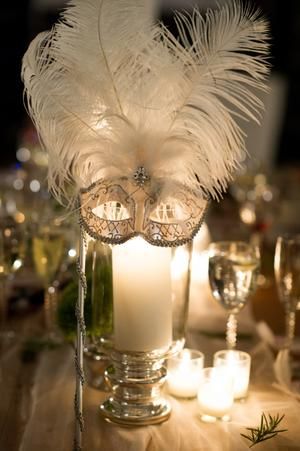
column 50, row 426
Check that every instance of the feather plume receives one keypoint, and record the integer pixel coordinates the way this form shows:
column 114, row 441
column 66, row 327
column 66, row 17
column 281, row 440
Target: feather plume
column 109, row 91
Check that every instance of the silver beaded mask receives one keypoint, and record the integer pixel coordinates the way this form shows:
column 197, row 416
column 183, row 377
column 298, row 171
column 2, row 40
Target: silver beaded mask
column 115, row 210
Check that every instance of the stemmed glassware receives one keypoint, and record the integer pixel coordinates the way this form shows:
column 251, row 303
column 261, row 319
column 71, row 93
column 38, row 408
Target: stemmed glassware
column 3, row 278
column 48, row 251
column 287, row 276
column 233, row 270
column 11, row 259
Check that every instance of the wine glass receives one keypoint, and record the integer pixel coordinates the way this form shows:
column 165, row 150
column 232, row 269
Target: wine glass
column 4, row 271
column 233, row 271
column 11, row 259
column 48, row 250
column 287, row 276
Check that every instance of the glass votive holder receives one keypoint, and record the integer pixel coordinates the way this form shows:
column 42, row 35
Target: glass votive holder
column 184, row 373
column 238, row 364
column 215, row 395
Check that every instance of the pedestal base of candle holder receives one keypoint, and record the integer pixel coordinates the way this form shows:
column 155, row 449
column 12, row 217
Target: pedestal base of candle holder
column 136, row 380
column 135, row 415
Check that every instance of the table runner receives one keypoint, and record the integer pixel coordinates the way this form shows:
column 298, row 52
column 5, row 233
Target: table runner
column 51, row 423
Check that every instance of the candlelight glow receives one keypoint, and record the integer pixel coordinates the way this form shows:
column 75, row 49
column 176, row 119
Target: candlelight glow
column 237, row 364
column 142, row 296
column 179, row 263
column 184, row 373
column 215, row 396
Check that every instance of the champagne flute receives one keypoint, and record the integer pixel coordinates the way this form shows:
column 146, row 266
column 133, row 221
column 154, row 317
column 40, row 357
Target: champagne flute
column 233, row 271
column 4, row 271
column 48, row 250
column 287, row 276
column 11, row 259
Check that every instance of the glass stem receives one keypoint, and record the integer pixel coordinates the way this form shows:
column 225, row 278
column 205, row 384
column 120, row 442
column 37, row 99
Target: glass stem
column 231, row 331
column 290, row 319
column 50, row 306
column 3, row 303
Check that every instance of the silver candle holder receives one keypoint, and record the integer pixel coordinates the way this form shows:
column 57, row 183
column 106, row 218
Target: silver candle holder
column 136, row 380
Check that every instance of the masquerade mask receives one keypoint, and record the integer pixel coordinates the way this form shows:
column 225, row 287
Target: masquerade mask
column 114, row 210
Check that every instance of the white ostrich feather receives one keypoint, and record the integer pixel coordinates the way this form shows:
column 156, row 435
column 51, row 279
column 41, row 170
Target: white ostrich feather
column 110, row 91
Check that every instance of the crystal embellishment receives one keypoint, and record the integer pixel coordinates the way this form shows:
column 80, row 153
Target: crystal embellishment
column 141, row 176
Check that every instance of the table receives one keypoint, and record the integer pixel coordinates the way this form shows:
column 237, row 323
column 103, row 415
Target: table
column 36, row 398
column 46, row 418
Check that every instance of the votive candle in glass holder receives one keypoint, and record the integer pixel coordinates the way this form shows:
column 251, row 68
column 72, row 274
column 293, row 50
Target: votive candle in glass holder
column 238, row 364
column 184, row 373
column 215, row 395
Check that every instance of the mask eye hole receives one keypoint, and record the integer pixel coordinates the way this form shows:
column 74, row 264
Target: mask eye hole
column 169, row 212
column 111, row 211
column 108, row 212
column 174, row 219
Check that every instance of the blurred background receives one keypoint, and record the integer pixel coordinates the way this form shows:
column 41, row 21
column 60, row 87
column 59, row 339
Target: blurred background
column 279, row 136
column 262, row 202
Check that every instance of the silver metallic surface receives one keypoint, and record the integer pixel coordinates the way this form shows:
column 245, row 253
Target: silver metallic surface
column 115, row 210
column 136, row 380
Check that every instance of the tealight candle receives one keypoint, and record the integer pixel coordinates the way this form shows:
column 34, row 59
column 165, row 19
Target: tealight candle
column 184, row 373
column 238, row 364
column 215, row 395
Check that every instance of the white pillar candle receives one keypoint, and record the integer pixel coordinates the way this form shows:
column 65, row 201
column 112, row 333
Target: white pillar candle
column 184, row 373
column 237, row 363
column 142, row 296
column 215, row 395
